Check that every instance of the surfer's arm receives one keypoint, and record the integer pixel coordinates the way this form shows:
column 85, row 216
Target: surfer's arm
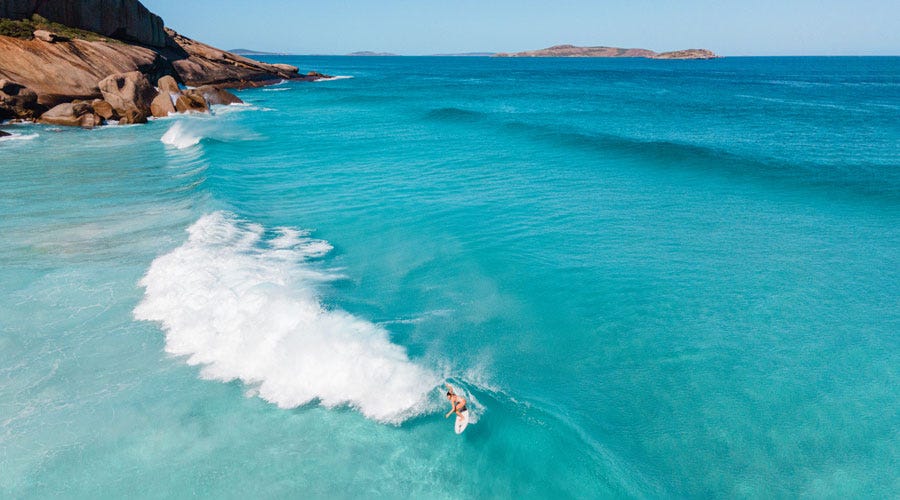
column 453, row 409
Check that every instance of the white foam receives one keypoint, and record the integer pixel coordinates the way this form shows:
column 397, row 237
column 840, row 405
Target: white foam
column 180, row 136
column 245, row 306
column 331, row 78
column 19, row 137
column 279, row 89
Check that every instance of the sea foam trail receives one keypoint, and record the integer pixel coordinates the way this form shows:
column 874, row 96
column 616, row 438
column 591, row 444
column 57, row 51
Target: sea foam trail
column 19, row 137
column 333, row 78
column 243, row 305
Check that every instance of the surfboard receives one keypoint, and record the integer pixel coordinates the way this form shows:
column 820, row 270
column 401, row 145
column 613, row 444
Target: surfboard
column 462, row 422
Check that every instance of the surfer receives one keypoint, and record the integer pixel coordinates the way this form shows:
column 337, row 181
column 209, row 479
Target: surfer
column 458, row 403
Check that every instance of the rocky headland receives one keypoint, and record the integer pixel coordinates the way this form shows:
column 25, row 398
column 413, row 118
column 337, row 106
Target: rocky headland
column 575, row 51
column 86, row 62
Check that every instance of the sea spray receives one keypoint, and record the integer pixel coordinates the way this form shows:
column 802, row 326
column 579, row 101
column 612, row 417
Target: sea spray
column 244, row 306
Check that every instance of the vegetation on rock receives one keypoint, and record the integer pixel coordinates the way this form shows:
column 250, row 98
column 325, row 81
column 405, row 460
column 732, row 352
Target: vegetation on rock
column 25, row 28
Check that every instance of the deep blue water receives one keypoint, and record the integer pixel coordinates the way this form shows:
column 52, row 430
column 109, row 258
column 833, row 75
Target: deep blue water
column 651, row 278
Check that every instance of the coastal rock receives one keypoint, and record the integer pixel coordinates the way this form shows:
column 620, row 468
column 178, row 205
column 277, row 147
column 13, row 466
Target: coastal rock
column 90, row 120
column 104, row 109
column 72, row 114
column 126, row 20
column 4, row 134
column 47, row 36
column 61, row 72
column 162, row 105
column 214, row 95
column 69, row 68
column 132, row 116
column 127, row 91
column 168, row 84
column 80, row 108
column 187, row 103
column 287, row 67
column 199, row 64
column 17, row 101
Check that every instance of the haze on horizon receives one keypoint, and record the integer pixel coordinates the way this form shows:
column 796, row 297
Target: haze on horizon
column 730, row 28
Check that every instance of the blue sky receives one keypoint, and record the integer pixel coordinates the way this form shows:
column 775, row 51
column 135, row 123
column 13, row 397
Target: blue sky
column 757, row 27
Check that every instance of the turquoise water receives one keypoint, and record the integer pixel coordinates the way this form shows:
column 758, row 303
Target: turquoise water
column 651, row 278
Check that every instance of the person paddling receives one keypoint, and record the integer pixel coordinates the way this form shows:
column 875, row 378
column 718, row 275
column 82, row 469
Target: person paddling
column 457, row 403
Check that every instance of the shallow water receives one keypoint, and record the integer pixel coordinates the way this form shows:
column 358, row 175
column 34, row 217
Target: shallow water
column 651, row 278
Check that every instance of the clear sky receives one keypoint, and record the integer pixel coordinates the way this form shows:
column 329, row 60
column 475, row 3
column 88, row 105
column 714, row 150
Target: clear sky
column 747, row 27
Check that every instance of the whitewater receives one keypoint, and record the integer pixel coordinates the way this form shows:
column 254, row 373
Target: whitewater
column 247, row 309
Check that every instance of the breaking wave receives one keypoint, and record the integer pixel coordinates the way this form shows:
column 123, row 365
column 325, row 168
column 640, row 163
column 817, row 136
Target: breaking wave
column 180, row 136
column 241, row 301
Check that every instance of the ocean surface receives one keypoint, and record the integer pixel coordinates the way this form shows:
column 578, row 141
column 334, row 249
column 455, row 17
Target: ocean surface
column 650, row 278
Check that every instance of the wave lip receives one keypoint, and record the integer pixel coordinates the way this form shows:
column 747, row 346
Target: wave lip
column 242, row 303
column 180, row 137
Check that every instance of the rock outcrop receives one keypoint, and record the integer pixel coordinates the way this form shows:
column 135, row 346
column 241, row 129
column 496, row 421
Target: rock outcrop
column 287, row 67
column 74, row 114
column 104, row 109
column 50, row 69
column 200, row 64
column 162, row 105
column 126, row 20
column 127, row 92
column 18, row 101
column 215, row 95
column 168, row 84
column 64, row 71
column 47, row 36
column 4, row 134
column 575, row 51
column 191, row 103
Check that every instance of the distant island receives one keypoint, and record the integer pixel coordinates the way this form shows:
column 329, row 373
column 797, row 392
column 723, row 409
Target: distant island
column 466, row 54
column 575, row 51
column 369, row 53
column 249, row 52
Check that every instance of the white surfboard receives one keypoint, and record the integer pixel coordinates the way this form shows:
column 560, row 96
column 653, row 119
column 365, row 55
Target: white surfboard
column 462, row 422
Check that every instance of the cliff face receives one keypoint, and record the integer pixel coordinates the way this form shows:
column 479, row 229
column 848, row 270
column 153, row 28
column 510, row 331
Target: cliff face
column 575, row 51
column 126, row 20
